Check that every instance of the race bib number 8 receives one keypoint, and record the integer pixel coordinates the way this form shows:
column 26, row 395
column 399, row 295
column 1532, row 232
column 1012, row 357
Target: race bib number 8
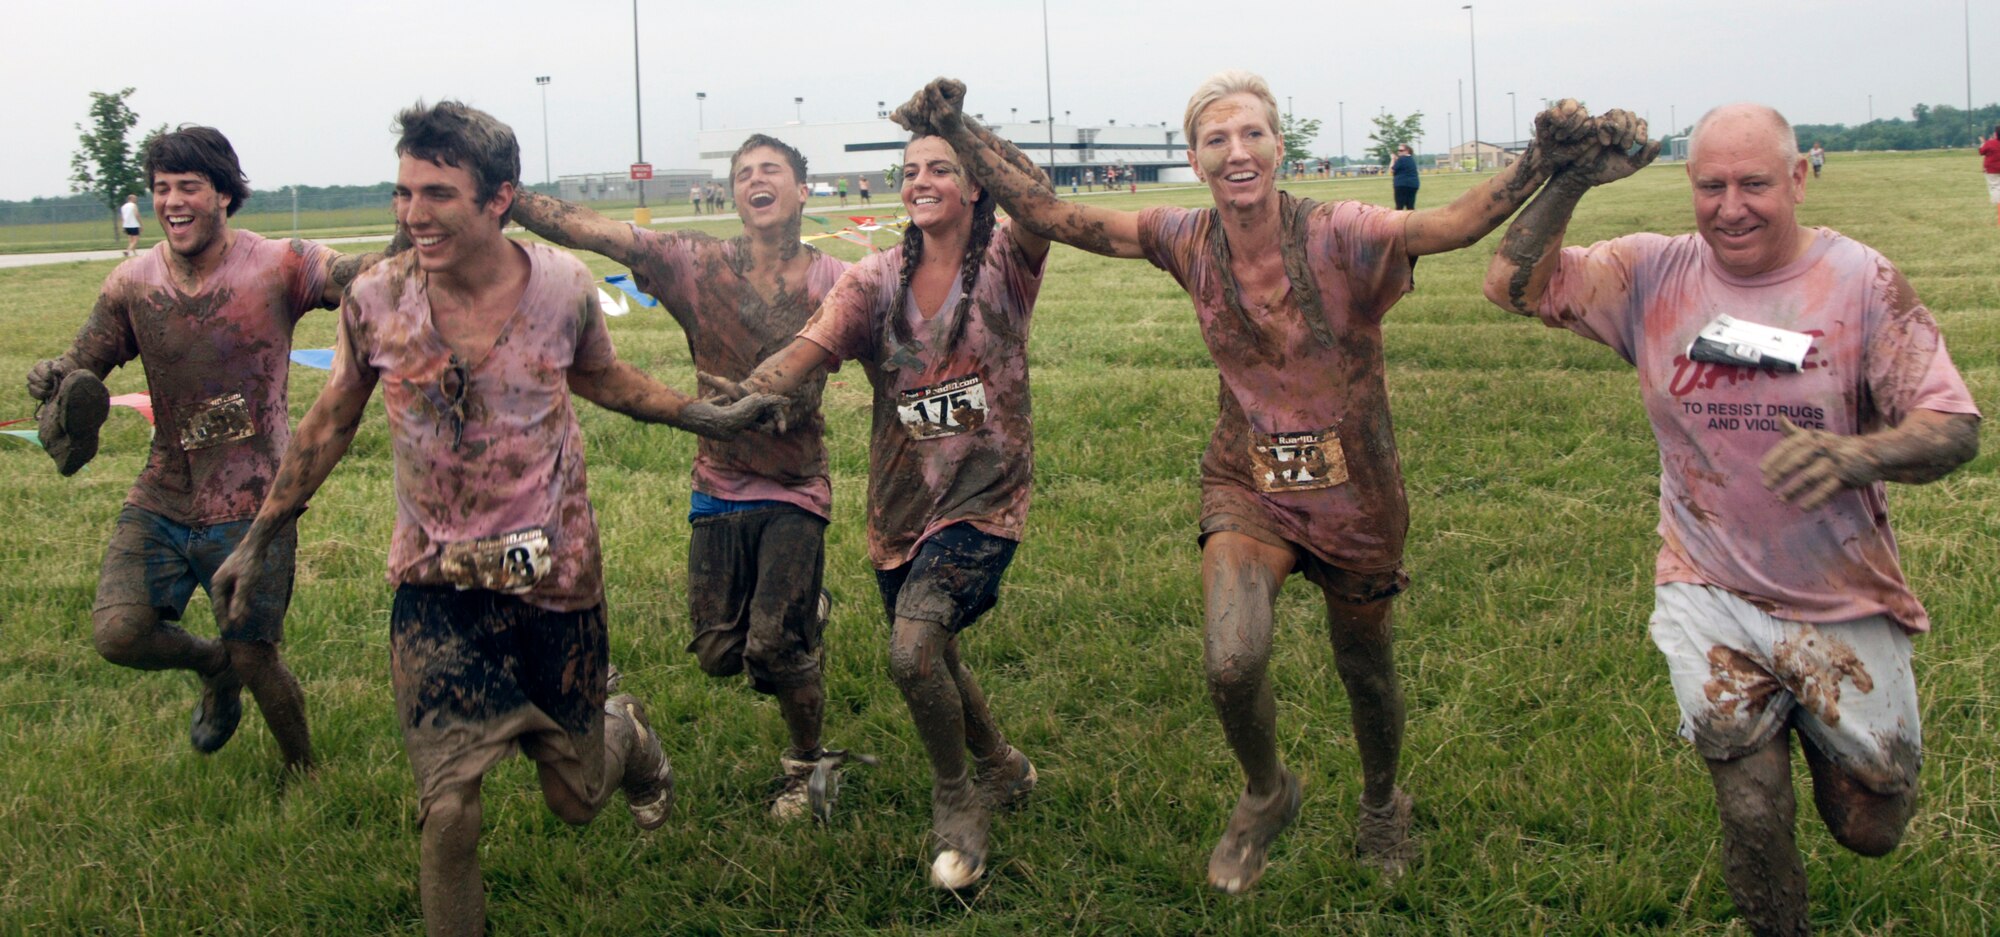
column 214, row 422
column 948, row 409
column 510, row 563
column 1297, row 461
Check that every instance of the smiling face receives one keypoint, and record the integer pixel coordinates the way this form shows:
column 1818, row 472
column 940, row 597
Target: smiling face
column 1235, row 150
column 438, row 208
column 191, row 211
column 936, row 192
column 1747, row 193
column 768, row 195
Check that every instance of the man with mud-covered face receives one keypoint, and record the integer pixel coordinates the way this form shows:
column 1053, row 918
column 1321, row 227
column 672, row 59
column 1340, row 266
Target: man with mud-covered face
column 759, row 505
column 210, row 312
column 497, row 633
column 1779, row 601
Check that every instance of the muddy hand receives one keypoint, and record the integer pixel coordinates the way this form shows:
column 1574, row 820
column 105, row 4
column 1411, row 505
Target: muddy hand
column 1563, row 133
column 43, row 378
column 707, row 418
column 232, row 586
column 1621, row 148
column 719, row 389
column 1809, row 466
column 946, row 99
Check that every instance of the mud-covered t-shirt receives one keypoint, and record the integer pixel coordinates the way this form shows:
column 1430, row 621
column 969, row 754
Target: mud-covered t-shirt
column 517, row 464
column 217, row 362
column 952, row 440
column 1302, row 438
column 1876, row 356
column 730, row 329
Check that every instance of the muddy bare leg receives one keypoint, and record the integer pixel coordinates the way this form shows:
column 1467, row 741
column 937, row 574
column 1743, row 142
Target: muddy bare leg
column 982, row 733
column 1240, row 578
column 1760, row 858
column 1363, row 652
column 134, row 636
column 804, row 710
column 278, row 696
column 1862, row 820
column 454, row 899
column 959, row 818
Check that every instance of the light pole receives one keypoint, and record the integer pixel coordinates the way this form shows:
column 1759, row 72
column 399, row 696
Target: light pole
column 1871, row 108
column 1461, row 114
column 799, row 110
column 1343, row 134
column 700, row 119
column 1969, row 127
column 881, row 108
column 542, row 81
column 642, row 216
column 1472, row 33
column 1513, row 117
column 1013, row 115
column 1049, row 93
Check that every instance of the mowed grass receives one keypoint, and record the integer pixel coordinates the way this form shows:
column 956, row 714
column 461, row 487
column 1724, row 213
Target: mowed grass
column 1552, row 794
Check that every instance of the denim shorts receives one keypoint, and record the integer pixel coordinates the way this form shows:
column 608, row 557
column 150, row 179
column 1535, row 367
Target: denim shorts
column 157, row 562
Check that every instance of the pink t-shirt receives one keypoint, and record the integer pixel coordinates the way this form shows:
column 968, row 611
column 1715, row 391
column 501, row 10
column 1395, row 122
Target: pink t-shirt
column 519, row 464
column 1283, row 389
column 233, row 337
column 1876, row 356
column 730, row 329
column 952, row 441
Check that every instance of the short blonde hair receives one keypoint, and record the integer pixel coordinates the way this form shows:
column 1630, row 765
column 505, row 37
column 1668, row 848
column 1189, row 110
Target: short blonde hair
column 1221, row 85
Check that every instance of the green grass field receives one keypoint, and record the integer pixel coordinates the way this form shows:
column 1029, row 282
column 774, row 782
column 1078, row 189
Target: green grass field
column 1552, row 794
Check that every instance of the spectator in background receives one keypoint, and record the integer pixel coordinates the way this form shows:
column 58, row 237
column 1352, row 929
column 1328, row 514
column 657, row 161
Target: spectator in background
column 694, row 198
column 1818, row 158
column 1990, row 151
column 1403, row 178
column 128, row 218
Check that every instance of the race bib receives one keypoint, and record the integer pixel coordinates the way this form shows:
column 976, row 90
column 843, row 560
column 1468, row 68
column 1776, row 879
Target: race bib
column 1297, row 461
column 948, row 409
column 214, row 422
column 508, row 563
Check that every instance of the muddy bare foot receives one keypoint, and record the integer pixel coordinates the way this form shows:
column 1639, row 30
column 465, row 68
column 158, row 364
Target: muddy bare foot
column 1382, row 836
column 960, row 821
column 1239, row 859
column 1005, row 782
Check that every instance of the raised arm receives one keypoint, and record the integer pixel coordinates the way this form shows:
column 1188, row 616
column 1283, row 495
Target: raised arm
column 1521, row 268
column 1021, row 187
column 1565, row 135
column 1809, row 466
column 622, row 388
column 315, row 448
column 574, row 226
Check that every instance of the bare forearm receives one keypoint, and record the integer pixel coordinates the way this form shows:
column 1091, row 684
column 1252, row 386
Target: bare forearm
column 1526, row 259
column 624, row 389
column 1927, row 446
column 316, row 447
column 1473, row 215
column 783, row 373
column 573, row 226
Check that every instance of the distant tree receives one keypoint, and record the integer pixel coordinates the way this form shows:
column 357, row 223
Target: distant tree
column 105, row 165
column 1391, row 132
column 1299, row 136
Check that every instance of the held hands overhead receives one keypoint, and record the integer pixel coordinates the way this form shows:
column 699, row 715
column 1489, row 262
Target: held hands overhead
column 1570, row 144
column 936, row 108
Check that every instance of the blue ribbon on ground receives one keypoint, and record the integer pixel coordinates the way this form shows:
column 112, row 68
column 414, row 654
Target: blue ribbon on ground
column 321, row 358
column 624, row 282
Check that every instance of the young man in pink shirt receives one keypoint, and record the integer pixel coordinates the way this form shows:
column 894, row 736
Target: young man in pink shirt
column 209, row 311
column 497, row 635
column 1779, row 601
column 760, row 504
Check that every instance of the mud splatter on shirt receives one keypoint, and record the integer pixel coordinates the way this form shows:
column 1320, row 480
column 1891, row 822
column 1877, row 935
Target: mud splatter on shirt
column 231, row 336
column 730, row 328
column 980, row 475
column 504, row 455
column 1876, row 356
column 1278, row 377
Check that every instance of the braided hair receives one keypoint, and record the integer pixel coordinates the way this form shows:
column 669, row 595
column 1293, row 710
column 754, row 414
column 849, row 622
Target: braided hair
column 983, row 222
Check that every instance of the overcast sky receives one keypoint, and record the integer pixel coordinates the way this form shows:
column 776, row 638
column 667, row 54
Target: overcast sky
column 308, row 97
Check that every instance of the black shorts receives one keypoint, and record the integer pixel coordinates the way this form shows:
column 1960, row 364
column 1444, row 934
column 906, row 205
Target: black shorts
column 156, row 562
column 477, row 674
column 1406, row 197
column 954, row 579
column 753, row 595
column 134, row 232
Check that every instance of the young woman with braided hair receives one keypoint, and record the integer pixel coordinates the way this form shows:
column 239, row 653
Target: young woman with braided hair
column 940, row 326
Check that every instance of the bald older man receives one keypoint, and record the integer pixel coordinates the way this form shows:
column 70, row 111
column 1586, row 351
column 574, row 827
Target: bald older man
column 1779, row 601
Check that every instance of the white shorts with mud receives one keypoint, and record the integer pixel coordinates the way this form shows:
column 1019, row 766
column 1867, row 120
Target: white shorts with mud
column 1741, row 675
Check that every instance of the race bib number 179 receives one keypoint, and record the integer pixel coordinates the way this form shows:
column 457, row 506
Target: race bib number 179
column 948, row 409
column 1297, row 461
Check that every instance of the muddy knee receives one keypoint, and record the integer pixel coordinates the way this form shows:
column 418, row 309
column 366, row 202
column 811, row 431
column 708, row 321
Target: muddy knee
column 1233, row 674
column 452, row 818
column 915, row 651
column 253, row 659
column 1872, row 830
column 119, row 632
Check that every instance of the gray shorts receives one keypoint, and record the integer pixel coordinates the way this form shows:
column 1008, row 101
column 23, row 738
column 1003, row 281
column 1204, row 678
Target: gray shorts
column 1741, row 676
column 157, row 562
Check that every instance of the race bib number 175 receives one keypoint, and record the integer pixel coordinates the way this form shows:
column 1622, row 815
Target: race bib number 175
column 948, row 409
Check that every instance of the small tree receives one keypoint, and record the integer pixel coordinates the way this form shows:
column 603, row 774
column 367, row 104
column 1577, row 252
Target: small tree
column 1299, row 136
column 105, row 165
column 1390, row 133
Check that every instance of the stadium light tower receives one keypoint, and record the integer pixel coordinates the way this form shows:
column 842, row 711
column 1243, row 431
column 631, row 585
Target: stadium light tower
column 1472, row 33
column 1513, row 117
column 799, row 109
column 700, row 118
column 542, row 81
column 643, row 217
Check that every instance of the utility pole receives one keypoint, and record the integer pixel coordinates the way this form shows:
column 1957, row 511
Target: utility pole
column 1472, row 32
column 642, row 216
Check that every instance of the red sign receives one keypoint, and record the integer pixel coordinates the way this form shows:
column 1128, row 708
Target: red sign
column 642, row 171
